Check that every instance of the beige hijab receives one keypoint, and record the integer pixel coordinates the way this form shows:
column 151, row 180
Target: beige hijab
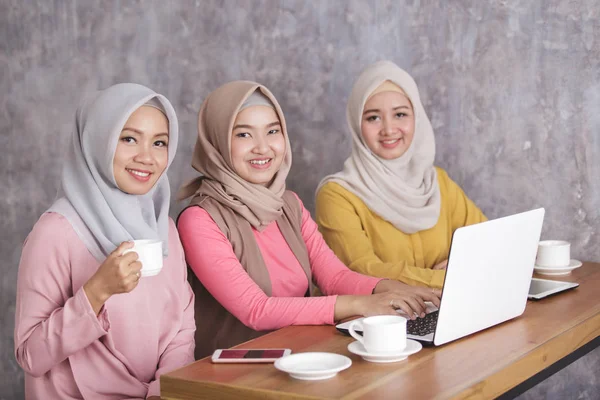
column 237, row 206
column 259, row 205
column 403, row 191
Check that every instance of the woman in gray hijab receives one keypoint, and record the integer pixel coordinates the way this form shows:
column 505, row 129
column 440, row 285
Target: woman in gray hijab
column 88, row 323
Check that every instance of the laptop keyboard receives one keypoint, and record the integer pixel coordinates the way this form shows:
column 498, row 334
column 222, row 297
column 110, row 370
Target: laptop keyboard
column 422, row 326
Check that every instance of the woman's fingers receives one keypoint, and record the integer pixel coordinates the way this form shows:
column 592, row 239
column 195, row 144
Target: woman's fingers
column 121, row 248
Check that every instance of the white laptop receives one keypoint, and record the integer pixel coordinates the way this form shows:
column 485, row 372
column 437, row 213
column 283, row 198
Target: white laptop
column 487, row 278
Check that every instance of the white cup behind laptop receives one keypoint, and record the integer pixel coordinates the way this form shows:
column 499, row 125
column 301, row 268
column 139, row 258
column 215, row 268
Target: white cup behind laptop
column 553, row 253
column 149, row 254
column 381, row 334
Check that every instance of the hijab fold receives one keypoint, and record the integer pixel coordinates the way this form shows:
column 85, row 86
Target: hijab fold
column 101, row 214
column 405, row 190
column 238, row 207
column 257, row 204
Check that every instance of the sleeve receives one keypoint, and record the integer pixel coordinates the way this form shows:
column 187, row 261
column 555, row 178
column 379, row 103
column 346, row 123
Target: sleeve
column 342, row 229
column 180, row 351
column 329, row 273
column 210, row 255
column 50, row 322
column 464, row 210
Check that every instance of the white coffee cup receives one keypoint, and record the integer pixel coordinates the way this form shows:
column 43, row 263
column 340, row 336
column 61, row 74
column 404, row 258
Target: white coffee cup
column 149, row 254
column 381, row 334
column 553, row 253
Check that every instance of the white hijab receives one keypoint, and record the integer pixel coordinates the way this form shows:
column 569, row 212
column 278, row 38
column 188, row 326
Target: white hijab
column 101, row 214
column 405, row 190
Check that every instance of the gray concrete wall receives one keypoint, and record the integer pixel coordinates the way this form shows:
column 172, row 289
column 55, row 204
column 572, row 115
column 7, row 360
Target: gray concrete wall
column 512, row 89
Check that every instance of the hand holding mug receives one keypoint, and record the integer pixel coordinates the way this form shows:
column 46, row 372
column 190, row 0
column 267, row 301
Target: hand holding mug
column 119, row 273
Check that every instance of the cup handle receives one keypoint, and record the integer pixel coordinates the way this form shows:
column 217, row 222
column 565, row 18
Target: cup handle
column 354, row 334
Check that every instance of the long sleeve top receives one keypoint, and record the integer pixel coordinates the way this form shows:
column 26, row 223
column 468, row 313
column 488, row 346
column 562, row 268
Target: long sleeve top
column 66, row 351
column 373, row 246
column 211, row 257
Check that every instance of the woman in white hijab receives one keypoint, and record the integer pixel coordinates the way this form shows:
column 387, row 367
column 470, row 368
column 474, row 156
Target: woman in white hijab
column 88, row 323
column 390, row 213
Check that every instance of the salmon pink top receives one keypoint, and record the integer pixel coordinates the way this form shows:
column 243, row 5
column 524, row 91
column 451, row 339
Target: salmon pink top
column 211, row 257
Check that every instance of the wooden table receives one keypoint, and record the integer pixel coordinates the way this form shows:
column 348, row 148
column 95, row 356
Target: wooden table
column 484, row 365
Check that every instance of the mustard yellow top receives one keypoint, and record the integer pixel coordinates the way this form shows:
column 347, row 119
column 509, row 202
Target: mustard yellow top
column 368, row 244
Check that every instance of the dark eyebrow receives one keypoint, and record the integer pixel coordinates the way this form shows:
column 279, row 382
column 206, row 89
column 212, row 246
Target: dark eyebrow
column 142, row 133
column 276, row 123
column 370, row 111
column 377, row 110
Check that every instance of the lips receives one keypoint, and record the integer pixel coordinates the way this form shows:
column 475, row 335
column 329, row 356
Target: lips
column 140, row 175
column 261, row 163
column 391, row 143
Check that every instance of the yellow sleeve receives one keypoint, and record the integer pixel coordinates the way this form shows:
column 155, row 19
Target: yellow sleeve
column 341, row 227
column 463, row 211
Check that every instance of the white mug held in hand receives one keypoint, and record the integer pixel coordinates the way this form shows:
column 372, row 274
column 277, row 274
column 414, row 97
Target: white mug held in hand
column 381, row 334
column 553, row 253
column 149, row 254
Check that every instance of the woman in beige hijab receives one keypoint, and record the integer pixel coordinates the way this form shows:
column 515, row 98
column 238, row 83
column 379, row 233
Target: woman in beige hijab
column 390, row 213
column 252, row 245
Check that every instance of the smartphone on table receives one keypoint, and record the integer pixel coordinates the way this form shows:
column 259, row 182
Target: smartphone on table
column 249, row 355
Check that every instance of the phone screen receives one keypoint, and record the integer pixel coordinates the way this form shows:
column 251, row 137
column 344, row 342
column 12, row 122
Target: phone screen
column 251, row 354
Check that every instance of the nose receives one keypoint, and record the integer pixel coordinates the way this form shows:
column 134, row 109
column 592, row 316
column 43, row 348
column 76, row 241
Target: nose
column 144, row 155
column 261, row 145
column 388, row 127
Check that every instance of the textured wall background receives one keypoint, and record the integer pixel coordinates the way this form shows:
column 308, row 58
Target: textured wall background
column 512, row 89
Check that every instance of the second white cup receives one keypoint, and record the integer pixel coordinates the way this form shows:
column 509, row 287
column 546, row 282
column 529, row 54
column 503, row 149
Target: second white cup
column 149, row 254
column 381, row 334
column 553, row 253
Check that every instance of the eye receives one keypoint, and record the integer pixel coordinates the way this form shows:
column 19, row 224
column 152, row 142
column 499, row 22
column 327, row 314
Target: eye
column 161, row 143
column 401, row 115
column 243, row 135
column 372, row 118
column 128, row 139
column 273, row 131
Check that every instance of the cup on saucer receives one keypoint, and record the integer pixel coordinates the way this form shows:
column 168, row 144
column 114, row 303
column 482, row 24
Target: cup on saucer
column 553, row 253
column 554, row 258
column 381, row 334
column 149, row 254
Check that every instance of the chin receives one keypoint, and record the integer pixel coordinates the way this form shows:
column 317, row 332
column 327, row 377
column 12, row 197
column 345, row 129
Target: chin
column 136, row 189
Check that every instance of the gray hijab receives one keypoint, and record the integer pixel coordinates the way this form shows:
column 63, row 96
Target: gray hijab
column 101, row 214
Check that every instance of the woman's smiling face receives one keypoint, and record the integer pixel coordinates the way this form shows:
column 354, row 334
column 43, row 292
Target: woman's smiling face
column 257, row 144
column 388, row 124
column 142, row 153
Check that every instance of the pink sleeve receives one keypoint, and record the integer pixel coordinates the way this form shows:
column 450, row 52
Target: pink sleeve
column 180, row 351
column 329, row 273
column 211, row 257
column 50, row 322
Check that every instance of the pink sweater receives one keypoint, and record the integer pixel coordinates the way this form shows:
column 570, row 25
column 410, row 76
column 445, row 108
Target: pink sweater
column 211, row 257
column 69, row 353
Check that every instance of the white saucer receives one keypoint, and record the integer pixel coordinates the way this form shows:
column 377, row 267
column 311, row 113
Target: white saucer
column 412, row 347
column 313, row 366
column 564, row 270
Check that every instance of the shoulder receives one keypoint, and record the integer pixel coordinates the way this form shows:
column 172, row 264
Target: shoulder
column 193, row 214
column 53, row 229
column 52, row 239
column 442, row 175
column 194, row 222
column 333, row 188
column 292, row 198
column 444, row 180
column 332, row 196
